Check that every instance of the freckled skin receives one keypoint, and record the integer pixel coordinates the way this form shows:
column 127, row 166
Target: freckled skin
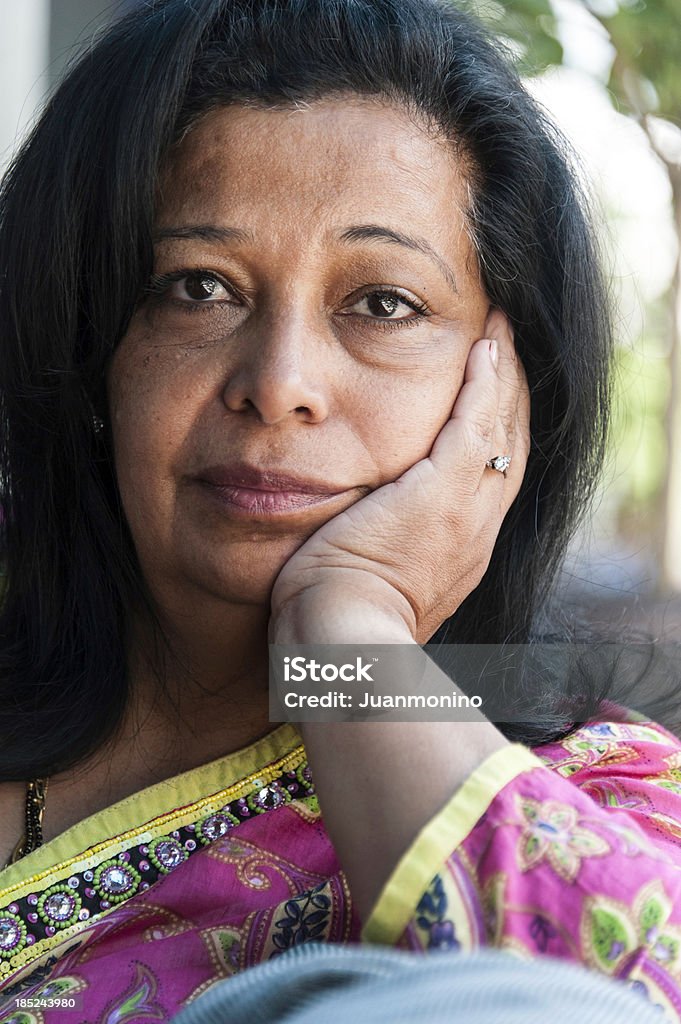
column 288, row 372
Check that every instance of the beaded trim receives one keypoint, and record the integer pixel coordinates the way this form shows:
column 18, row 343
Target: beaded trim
column 34, row 922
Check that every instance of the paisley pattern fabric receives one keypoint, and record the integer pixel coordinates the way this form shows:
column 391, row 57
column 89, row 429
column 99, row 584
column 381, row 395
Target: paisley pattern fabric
column 581, row 862
column 573, row 851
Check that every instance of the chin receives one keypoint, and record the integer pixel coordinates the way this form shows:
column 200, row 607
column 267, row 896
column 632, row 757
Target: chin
column 248, row 570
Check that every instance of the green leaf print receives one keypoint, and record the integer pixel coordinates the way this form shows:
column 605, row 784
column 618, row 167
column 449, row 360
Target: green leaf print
column 652, row 916
column 610, row 936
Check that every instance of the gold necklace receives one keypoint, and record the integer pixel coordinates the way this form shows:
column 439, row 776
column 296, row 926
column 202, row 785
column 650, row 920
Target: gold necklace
column 32, row 838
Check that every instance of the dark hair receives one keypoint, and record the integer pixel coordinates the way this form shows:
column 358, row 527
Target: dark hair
column 75, row 251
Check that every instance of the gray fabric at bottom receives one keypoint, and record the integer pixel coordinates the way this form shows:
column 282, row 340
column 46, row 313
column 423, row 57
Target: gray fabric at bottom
column 329, row 984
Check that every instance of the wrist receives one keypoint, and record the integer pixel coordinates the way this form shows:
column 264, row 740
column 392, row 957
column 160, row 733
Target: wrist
column 328, row 613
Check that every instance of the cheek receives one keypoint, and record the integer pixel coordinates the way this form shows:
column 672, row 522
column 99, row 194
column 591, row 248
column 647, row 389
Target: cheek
column 140, row 457
column 153, row 394
column 403, row 421
column 150, row 419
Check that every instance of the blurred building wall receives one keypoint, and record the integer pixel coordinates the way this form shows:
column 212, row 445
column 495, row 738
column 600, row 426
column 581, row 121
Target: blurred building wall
column 24, row 56
column 72, row 25
column 37, row 39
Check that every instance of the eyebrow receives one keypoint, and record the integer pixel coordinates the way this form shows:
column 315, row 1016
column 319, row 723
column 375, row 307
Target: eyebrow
column 374, row 232
column 357, row 233
column 204, row 232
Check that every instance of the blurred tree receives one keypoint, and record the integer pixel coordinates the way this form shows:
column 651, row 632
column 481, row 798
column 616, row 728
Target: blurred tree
column 527, row 26
column 645, row 81
column 645, row 84
column 645, row 73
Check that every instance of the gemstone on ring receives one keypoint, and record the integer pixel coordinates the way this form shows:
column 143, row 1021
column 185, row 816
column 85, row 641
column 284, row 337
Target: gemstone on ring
column 499, row 462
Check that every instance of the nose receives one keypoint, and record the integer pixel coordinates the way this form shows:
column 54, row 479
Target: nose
column 279, row 372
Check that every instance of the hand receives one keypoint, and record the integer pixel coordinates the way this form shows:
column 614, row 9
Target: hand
column 415, row 548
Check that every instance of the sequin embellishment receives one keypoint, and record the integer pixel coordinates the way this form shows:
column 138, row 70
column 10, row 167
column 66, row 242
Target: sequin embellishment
column 268, row 798
column 166, row 854
column 85, row 895
column 215, row 826
column 12, row 934
column 115, row 881
column 58, row 906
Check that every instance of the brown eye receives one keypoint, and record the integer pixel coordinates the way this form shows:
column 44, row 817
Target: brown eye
column 200, row 287
column 387, row 305
column 382, row 304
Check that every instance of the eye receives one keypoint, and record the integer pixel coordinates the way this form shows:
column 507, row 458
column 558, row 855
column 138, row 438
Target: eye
column 385, row 304
column 191, row 289
column 198, row 288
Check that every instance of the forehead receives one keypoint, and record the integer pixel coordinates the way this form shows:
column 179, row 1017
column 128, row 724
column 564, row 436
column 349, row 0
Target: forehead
column 346, row 158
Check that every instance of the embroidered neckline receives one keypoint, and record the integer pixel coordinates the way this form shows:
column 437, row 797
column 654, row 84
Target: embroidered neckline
column 41, row 911
column 161, row 800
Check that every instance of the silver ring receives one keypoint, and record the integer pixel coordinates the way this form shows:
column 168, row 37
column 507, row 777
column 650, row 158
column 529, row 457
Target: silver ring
column 500, row 463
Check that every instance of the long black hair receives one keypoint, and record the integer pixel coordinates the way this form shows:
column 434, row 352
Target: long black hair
column 76, row 213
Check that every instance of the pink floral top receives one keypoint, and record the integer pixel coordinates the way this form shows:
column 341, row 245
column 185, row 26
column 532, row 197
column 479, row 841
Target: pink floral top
column 573, row 851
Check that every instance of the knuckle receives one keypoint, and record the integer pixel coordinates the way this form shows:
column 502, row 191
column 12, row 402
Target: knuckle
column 474, row 455
column 508, row 423
column 482, row 428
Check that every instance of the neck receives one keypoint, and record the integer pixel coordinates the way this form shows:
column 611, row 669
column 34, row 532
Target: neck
column 193, row 699
column 202, row 674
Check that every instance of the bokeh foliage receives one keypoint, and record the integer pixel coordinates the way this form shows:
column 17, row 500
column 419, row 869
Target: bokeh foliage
column 647, row 41
column 527, row 26
column 645, row 79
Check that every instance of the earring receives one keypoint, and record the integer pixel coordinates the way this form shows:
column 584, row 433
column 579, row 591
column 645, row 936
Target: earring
column 97, row 423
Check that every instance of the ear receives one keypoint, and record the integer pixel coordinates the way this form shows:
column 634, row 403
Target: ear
column 497, row 325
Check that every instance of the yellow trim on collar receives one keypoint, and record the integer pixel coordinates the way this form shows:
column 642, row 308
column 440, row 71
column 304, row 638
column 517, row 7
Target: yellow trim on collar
column 166, row 806
column 435, row 842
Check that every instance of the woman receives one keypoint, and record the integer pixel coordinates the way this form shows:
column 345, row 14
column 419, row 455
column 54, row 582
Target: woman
column 275, row 280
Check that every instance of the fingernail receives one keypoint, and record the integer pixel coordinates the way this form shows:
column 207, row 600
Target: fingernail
column 494, row 352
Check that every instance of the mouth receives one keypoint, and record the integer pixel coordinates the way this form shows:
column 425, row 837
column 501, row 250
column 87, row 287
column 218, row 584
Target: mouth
column 265, row 504
column 247, row 492
column 267, row 481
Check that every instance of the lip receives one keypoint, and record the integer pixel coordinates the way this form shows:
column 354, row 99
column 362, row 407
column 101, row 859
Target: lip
column 247, row 477
column 245, row 491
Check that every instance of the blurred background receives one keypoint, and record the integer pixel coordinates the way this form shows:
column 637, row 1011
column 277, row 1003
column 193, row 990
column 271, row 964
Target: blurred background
column 609, row 73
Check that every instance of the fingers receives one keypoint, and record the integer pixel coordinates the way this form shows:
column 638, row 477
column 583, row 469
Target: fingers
column 490, row 418
column 511, row 430
column 464, row 444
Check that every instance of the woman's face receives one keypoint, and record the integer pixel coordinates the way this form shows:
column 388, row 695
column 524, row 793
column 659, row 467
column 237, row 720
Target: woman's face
column 315, row 297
